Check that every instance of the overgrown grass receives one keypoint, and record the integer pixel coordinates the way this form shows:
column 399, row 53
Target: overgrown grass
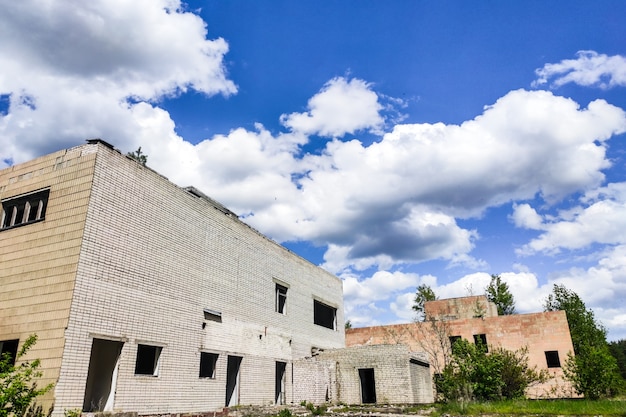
column 538, row 408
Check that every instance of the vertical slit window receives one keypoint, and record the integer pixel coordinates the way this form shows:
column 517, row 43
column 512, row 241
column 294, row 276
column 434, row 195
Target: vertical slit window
column 281, row 299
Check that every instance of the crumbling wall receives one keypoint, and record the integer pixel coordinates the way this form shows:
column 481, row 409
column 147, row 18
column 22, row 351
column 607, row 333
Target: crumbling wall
column 315, row 381
column 396, row 382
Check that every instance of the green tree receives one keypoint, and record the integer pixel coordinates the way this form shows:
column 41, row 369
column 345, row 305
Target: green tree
column 592, row 369
column 348, row 324
column 618, row 350
column 423, row 294
column 18, row 388
column 498, row 292
column 138, row 156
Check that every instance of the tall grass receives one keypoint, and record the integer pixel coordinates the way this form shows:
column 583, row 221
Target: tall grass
column 539, row 408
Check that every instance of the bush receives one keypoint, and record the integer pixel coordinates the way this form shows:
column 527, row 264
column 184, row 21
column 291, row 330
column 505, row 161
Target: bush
column 593, row 373
column 475, row 374
column 17, row 386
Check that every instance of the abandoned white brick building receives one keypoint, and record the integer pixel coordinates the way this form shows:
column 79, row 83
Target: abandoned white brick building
column 153, row 298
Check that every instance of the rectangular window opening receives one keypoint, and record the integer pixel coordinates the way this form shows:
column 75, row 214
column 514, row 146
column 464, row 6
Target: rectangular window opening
column 24, row 209
column 208, row 362
column 281, row 299
column 552, row 359
column 453, row 340
column 324, row 315
column 481, row 341
column 148, row 358
column 8, row 349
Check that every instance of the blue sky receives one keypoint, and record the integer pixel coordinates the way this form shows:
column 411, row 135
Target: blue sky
column 393, row 143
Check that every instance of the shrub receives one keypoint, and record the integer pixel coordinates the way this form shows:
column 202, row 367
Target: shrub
column 476, row 374
column 17, row 386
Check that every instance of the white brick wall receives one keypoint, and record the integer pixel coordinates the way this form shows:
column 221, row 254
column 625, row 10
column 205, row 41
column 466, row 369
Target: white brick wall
column 336, row 372
column 153, row 257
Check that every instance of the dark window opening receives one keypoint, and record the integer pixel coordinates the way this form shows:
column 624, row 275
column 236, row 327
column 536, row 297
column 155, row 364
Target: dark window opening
column 324, row 315
column 148, row 360
column 453, row 340
column 8, row 349
column 552, row 359
column 480, row 340
column 24, row 209
column 207, row 364
column 212, row 315
column 281, row 299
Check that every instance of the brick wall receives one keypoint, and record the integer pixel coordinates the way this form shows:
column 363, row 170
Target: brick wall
column 38, row 261
column 397, row 380
column 153, row 258
column 461, row 308
column 540, row 332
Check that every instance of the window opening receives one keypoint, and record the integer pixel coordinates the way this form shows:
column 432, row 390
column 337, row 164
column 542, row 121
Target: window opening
column 552, row 359
column 24, row 209
column 324, row 315
column 453, row 340
column 207, row 364
column 481, row 341
column 148, row 360
column 281, row 299
column 8, row 348
column 212, row 315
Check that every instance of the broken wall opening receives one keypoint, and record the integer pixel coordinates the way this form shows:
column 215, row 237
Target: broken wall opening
column 232, row 380
column 279, row 394
column 102, row 375
column 368, row 385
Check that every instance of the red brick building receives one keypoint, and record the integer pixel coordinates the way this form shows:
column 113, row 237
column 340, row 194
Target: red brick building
column 546, row 335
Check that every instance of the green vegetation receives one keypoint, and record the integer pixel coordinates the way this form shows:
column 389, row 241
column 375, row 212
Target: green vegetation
column 618, row 350
column 422, row 294
column 498, row 293
column 319, row 410
column 474, row 374
column 592, row 370
column 18, row 388
column 138, row 156
column 536, row 408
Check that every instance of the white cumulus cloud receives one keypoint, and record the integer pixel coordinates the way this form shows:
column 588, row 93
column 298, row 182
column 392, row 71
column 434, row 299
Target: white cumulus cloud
column 588, row 69
column 342, row 106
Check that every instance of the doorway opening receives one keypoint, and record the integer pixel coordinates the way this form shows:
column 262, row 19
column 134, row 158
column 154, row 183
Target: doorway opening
column 232, row 380
column 368, row 385
column 279, row 395
column 102, row 375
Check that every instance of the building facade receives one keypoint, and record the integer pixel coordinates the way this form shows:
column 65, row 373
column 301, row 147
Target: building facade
column 388, row 374
column 149, row 297
column 546, row 336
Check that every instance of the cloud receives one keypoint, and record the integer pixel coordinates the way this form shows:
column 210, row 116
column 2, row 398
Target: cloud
column 589, row 69
column 525, row 216
column 342, row 106
column 87, row 69
column 397, row 200
column 75, row 70
column 361, row 295
column 602, row 287
column 601, row 218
